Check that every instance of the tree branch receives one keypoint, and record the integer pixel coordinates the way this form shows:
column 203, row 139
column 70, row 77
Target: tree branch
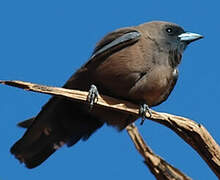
column 191, row 132
column 159, row 167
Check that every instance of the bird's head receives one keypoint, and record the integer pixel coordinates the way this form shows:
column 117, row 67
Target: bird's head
column 169, row 34
column 169, row 37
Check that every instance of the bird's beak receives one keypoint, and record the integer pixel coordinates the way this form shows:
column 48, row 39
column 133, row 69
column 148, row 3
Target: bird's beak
column 189, row 37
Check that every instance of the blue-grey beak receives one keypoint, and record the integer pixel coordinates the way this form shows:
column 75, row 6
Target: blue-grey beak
column 189, row 37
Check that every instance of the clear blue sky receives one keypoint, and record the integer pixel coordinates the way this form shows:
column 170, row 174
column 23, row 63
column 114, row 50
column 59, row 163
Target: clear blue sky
column 46, row 41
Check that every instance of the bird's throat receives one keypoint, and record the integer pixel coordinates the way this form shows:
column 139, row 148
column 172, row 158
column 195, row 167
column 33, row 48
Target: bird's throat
column 174, row 58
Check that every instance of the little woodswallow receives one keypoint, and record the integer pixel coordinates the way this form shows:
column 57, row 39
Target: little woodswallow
column 137, row 63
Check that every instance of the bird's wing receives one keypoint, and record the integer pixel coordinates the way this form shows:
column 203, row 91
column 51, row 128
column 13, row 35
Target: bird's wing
column 112, row 43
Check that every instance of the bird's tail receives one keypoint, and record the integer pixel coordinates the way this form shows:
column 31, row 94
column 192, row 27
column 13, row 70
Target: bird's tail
column 59, row 122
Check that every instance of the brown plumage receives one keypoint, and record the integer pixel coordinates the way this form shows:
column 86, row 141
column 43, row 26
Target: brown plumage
column 138, row 64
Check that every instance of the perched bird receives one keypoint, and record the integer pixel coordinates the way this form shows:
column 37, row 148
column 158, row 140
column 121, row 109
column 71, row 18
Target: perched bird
column 138, row 64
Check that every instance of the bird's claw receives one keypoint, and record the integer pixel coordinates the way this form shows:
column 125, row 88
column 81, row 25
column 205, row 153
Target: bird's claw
column 144, row 108
column 92, row 96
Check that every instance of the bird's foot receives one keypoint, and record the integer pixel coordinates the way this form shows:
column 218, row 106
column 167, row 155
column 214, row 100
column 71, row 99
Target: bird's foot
column 144, row 108
column 92, row 96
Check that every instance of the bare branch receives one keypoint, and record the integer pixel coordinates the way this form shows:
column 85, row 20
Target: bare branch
column 191, row 132
column 159, row 167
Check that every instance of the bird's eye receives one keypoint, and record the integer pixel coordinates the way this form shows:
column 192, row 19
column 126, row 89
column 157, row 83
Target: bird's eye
column 169, row 30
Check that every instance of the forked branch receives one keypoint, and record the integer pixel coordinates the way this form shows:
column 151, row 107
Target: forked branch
column 191, row 132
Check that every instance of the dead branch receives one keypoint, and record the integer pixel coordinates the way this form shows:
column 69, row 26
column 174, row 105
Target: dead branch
column 191, row 132
column 161, row 169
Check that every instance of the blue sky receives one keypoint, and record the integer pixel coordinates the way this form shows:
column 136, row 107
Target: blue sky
column 46, row 41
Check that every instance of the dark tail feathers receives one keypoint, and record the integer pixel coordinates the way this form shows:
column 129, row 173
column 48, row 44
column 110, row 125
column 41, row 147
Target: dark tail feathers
column 59, row 122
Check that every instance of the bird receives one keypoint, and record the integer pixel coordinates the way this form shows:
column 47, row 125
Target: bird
column 138, row 64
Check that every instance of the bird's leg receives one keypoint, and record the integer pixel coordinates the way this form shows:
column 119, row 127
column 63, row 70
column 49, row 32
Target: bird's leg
column 92, row 96
column 144, row 108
